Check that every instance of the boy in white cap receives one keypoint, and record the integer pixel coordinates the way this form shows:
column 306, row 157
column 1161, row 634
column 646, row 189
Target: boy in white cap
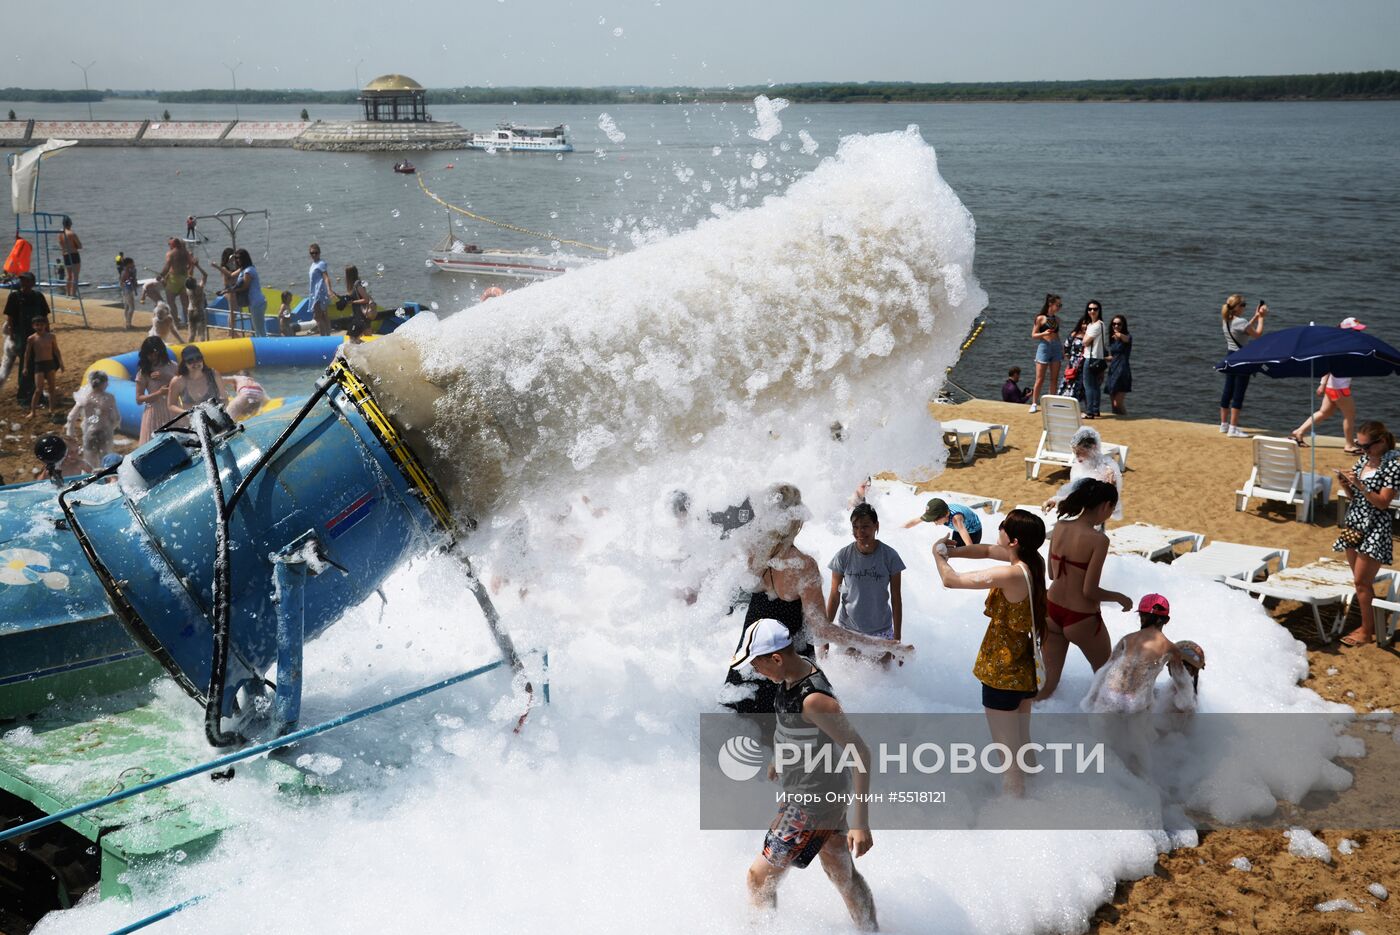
column 809, row 716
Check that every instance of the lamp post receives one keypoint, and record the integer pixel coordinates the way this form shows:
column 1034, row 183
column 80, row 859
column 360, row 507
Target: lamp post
column 84, row 69
column 233, row 76
column 357, row 73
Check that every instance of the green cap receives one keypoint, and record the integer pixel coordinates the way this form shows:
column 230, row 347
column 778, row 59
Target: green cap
column 937, row 509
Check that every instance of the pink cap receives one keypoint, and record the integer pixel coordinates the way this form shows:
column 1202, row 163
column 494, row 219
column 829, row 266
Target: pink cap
column 1154, row 604
column 1353, row 324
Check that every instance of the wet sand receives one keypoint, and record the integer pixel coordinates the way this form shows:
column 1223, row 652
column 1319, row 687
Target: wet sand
column 1181, row 475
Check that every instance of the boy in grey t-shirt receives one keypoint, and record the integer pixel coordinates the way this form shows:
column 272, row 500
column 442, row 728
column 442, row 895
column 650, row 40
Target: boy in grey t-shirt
column 865, row 589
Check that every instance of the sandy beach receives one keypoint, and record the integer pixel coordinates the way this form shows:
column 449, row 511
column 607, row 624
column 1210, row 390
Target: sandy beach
column 1182, row 475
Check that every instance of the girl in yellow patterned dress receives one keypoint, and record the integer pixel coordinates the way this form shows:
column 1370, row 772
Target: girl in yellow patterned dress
column 1006, row 663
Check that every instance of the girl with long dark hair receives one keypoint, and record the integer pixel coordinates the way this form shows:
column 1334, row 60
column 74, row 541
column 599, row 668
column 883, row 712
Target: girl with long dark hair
column 1077, row 551
column 154, row 371
column 1015, row 608
column 1120, row 372
column 1045, row 331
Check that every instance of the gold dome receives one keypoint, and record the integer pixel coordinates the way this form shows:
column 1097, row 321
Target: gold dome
column 393, row 83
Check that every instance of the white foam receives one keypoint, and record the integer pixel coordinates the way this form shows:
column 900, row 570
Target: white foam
column 1302, row 843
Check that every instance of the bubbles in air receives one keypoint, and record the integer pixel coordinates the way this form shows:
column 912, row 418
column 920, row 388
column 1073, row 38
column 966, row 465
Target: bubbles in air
column 758, row 161
column 379, row 268
column 394, row 213
column 617, row 32
column 809, row 145
column 609, row 128
column 308, row 207
column 766, row 110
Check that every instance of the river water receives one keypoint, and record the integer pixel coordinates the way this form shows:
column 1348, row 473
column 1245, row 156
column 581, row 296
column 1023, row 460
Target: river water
column 1158, row 210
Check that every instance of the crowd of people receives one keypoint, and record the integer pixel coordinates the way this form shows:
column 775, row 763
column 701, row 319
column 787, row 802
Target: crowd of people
column 1091, row 362
column 1035, row 612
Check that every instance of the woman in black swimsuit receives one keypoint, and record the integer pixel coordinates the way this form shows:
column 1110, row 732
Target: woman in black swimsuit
column 195, row 383
column 790, row 591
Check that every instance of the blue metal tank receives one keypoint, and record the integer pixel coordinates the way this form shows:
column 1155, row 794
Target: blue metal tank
column 319, row 505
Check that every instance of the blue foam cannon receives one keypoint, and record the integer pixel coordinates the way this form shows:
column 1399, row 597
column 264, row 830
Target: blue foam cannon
column 250, row 538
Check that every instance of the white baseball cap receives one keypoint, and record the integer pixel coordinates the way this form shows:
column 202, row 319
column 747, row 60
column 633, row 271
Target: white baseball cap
column 1353, row 324
column 760, row 638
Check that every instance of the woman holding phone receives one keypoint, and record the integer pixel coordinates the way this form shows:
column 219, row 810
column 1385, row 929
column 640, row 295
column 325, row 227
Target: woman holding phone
column 1369, row 523
column 1239, row 331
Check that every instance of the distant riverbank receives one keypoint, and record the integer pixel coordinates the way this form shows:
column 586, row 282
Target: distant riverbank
column 1340, row 86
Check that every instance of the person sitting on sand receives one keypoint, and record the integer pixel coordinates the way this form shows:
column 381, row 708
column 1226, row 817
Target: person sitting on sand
column 1011, row 391
column 94, row 419
column 808, row 714
column 964, row 522
column 1090, row 461
column 41, row 359
column 1077, row 552
column 1125, row 683
column 163, row 325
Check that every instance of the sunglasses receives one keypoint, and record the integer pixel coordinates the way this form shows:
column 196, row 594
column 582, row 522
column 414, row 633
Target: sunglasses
column 1360, row 444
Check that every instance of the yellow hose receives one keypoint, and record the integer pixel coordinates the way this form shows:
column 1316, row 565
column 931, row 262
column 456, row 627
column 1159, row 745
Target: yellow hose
column 506, row 226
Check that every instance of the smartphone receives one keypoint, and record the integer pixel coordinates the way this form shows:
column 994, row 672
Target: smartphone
column 1262, row 303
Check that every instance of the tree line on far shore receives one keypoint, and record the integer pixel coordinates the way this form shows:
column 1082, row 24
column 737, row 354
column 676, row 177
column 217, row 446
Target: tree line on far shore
column 1364, row 85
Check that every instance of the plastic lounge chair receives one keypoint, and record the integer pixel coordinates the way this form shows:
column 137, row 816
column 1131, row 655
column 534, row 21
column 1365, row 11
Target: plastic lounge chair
column 1278, row 475
column 1221, row 560
column 1060, row 418
column 1344, row 501
column 955, row 431
column 970, row 500
column 1151, row 542
column 1324, row 583
column 1384, row 614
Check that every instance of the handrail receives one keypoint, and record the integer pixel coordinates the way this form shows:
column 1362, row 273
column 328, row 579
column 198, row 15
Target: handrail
column 244, row 754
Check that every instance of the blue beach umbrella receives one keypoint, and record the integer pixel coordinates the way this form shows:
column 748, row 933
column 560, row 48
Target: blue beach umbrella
column 1310, row 351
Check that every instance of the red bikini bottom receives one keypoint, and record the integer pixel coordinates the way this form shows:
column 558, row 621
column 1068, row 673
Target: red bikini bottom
column 1064, row 618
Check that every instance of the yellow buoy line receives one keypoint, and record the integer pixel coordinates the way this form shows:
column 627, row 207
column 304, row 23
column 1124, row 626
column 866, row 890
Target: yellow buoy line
column 507, row 226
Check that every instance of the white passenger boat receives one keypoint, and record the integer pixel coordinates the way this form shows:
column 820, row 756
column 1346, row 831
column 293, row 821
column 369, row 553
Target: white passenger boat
column 452, row 255
column 511, row 138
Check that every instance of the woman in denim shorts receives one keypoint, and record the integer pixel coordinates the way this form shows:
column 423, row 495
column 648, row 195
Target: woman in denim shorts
column 1048, row 350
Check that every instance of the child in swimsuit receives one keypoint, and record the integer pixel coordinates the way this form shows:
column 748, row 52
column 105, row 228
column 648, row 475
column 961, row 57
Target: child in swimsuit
column 42, row 359
column 248, row 397
column 94, row 418
column 195, row 301
column 163, row 325
column 1077, row 543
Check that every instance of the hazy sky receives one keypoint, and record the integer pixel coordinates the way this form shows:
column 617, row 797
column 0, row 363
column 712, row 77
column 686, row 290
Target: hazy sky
column 441, row 43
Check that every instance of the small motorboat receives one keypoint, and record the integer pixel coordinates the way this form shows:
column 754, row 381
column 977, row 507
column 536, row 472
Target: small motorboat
column 405, row 167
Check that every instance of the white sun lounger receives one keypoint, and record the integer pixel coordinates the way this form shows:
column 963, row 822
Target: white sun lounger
column 1344, row 501
column 1278, row 475
column 1221, row 560
column 1324, row 583
column 1151, row 542
column 963, row 435
column 1059, row 415
column 1385, row 614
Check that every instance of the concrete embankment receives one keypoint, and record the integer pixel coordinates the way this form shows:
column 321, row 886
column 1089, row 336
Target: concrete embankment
column 333, row 135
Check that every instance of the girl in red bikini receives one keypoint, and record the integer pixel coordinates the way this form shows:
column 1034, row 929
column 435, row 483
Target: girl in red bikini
column 1077, row 552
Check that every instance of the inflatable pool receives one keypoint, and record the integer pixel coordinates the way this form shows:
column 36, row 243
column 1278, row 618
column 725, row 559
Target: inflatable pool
column 227, row 356
column 386, row 321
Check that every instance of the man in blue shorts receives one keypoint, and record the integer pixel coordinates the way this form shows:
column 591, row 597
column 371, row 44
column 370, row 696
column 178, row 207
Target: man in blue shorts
column 809, row 717
column 966, row 524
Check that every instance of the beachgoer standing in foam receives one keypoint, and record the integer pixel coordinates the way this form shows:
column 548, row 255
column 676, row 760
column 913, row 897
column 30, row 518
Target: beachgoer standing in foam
column 1049, row 352
column 1239, row 331
column 1126, row 682
column 809, row 717
column 1090, row 461
column 788, row 589
column 1369, row 523
column 318, row 290
column 94, row 419
column 865, row 582
column 1015, row 608
column 1336, row 396
column 1077, row 552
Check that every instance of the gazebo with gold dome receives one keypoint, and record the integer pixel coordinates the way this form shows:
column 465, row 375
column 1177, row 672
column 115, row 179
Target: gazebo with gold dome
column 396, row 119
column 395, row 98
